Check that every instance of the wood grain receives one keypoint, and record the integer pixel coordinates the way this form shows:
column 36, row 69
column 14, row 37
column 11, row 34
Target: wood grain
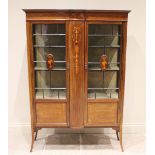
column 102, row 113
column 51, row 113
column 122, row 72
column 30, row 73
column 89, row 15
column 76, row 80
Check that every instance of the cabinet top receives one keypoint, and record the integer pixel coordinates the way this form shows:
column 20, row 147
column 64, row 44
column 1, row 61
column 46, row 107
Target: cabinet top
column 86, row 15
column 72, row 11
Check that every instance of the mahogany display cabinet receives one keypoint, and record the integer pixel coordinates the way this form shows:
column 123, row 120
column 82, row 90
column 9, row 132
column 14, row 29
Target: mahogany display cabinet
column 76, row 66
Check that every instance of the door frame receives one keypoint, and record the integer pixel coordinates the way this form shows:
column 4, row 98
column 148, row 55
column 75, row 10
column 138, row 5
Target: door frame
column 86, row 78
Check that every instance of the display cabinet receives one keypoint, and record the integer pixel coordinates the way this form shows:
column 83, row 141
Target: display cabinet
column 76, row 65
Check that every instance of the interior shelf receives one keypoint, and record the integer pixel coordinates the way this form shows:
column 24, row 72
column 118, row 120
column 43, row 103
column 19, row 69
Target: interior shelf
column 52, row 34
column 45, row 61
column 50, row 88
column 114, row 68
column 53, row 46
column 96, row 66
column 45, row 69
column 103, row 88
column 103, row 35
column 93, row 62
column 116, row 46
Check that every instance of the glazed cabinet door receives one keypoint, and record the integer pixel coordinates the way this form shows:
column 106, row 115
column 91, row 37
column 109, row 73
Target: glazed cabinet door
column 51, row 73
column 102, row 73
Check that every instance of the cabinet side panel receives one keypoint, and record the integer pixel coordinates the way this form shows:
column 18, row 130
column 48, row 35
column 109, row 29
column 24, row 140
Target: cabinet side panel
column 122, row 72
column 30, row 72
column 76, row 51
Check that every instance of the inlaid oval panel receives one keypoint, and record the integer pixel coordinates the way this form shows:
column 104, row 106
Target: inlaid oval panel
column 50, row 61
column 104, row 62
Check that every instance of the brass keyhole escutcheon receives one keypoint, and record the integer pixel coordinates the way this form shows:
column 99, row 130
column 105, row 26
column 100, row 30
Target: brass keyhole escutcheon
column 50, row 61
column 103, row 62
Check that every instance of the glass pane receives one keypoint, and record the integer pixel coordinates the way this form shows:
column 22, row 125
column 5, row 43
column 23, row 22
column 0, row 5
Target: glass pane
column 49, row 29
column 41, row 53
column 99, row 79
column 106, row 29
column 103, row 39
column 101, row 94
column 50, row 94
column 49, row 39
column 110, row 41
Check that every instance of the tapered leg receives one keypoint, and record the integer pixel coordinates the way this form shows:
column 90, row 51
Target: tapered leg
column 121, row 144
column 36, row 135
column 32, row 140
column 117, row 135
